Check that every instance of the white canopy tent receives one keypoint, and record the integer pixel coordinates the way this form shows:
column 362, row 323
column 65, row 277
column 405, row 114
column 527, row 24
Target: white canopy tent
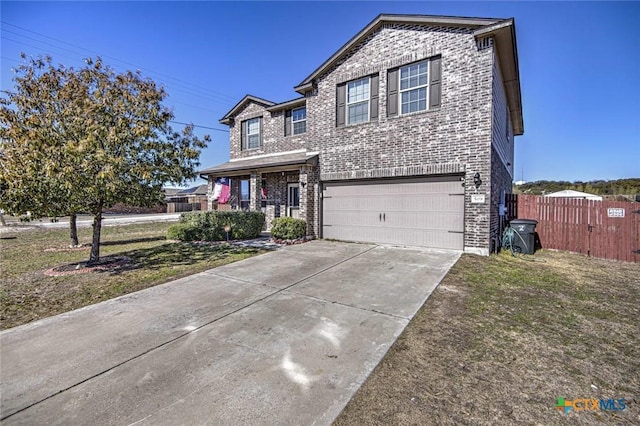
column 570, row 193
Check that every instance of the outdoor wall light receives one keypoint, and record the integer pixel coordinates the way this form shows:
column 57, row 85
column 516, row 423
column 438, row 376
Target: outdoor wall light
column 476, row 180
column 303, row 184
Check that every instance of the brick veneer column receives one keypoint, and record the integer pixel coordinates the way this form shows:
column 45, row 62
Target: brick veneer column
column 255, row 190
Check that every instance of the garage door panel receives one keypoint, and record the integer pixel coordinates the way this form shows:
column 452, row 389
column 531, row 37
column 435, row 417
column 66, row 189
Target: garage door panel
column 422, row 212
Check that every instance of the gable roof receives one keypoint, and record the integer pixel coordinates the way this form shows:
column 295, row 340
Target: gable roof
column 503, row 31
column 228, row 117
column 374, row 25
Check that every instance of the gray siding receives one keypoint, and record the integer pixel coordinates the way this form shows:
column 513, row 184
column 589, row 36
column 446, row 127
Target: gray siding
column 502, row 131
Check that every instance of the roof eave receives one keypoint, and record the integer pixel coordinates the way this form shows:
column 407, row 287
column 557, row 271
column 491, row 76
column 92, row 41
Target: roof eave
column 504, row 33
column 288, row 104
column 241, row 169
column 228, row 117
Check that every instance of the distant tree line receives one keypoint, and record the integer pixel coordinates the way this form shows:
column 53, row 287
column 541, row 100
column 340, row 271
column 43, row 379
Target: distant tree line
column 630, row 186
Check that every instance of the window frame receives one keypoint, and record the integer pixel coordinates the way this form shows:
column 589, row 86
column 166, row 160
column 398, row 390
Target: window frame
column 347, row 104
column 244, row 201
column 258, row 133
column 294, row 121
column 293, row 188
column 425, row 86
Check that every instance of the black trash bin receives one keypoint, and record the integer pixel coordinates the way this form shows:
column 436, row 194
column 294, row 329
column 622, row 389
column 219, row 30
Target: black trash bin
column 524, row 239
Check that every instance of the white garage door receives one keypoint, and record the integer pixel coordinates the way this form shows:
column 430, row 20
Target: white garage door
column 426, row 212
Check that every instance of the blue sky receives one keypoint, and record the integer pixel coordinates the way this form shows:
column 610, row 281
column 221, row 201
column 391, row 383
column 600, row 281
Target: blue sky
column 579, row 63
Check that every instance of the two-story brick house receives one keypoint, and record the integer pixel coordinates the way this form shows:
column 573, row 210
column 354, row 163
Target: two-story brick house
column 404, row 136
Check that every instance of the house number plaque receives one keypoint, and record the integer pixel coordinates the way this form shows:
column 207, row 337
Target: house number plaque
column 477, row 198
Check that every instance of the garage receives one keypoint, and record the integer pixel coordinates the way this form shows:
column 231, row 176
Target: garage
column 427, row 212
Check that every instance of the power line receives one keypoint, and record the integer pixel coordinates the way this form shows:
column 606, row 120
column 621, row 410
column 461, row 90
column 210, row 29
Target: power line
column 222, row 96
column 175, row 86
column 169, row 100
column 196, row 125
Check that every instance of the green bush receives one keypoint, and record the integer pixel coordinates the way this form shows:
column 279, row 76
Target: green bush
column 182, row 232
column 288, row 228
column 209, row 226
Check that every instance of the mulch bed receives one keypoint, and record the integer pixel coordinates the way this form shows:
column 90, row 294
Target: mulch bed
column 292, row 242
column 107, row 264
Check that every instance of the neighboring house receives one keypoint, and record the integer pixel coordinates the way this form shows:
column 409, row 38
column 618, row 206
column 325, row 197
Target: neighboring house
column 186, row 200
column 388, row 137
column 570, row 193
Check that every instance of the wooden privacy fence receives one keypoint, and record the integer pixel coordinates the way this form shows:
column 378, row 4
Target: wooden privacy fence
column 605, row 229
column 186, row 207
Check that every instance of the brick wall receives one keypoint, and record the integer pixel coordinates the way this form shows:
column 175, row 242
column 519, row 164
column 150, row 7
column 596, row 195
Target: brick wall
column 273, row 138
column 454, row 138
column 457, row 133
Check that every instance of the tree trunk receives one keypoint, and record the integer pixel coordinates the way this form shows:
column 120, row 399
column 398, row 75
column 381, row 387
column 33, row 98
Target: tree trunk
column 94, row 257
column 2, row 220
column 73, row 230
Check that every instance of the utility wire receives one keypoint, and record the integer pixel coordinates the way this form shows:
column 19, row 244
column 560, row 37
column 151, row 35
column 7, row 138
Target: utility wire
column 222, row 96
column 175, row 86
column 170, row 100
column 195, row 125
column 188, row 90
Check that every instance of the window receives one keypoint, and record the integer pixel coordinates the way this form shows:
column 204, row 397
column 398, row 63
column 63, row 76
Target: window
column 299, row 120
column 245, row 194
column 358, row 101
column 293, row 200
column 264, row 194
column 253, row 133
column 413, row 87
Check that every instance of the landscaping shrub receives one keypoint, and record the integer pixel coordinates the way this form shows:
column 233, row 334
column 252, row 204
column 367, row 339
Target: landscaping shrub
column 209, row 226
column 182, row 232
column 288, row 228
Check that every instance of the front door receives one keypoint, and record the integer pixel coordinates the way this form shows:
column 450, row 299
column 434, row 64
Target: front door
column 293, row 200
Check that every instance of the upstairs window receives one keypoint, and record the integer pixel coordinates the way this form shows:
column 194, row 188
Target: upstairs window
column 357, row 101
column 414, row 87
column 295, row 121
column 252, row 133
column 299, row 119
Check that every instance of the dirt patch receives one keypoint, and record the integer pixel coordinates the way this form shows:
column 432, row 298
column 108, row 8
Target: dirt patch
column 80, row 247
column 109, row 264
column 502, row 338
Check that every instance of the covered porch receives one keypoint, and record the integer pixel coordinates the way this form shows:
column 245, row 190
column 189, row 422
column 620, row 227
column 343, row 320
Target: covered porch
column 278, row 185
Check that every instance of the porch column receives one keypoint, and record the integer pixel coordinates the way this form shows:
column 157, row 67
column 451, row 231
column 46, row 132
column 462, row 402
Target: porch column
column 308, row 207
column 210, row 184
column 255, row 188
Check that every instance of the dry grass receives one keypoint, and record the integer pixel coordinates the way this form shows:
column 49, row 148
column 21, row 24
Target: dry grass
column 503, row 337
column 27, row 294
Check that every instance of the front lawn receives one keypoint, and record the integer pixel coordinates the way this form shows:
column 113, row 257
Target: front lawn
column 27, row 294
column 502, row 338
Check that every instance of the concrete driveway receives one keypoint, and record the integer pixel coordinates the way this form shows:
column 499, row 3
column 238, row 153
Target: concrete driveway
column 282, row 338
